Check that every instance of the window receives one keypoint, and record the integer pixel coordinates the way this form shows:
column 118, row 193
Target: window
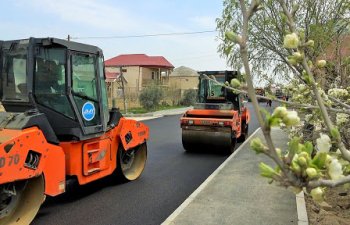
column 50, row 72
column 84, row 80
column 14, row 72
column 50, row 80
column 103, row 89
column 215, row 90
column 85, row 88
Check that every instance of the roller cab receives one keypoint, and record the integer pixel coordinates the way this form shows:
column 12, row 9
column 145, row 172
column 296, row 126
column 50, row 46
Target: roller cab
column 219, row 119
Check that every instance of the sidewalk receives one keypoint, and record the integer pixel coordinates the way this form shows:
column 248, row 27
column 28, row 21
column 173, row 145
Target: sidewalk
column 236, row 194
column 157, row 114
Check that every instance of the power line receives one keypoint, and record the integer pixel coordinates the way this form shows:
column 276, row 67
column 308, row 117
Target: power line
column 144, row 35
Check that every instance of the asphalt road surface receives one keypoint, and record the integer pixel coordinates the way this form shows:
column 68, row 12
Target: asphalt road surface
column 170, row 176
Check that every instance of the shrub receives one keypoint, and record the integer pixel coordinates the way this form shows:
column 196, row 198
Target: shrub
column 189, row 98
column 150, row 97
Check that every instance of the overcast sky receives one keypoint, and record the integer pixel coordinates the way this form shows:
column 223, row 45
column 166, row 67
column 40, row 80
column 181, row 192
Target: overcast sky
column 89, row 18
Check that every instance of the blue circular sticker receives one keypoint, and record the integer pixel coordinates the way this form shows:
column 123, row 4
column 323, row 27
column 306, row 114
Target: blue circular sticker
column 88, row 111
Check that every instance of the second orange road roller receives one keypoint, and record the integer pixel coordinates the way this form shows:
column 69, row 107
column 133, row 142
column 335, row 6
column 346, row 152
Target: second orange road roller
column 219, row 119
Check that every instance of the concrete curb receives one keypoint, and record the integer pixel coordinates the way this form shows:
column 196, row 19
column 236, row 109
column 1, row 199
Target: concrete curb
column 177, row 111
column 171, row 218
column 144, row 118
column 301, row 209
column 138, row 115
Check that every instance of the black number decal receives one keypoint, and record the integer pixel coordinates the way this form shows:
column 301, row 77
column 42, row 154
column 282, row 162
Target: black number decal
column 16, row 159
column 2, row 162
column 11, row 159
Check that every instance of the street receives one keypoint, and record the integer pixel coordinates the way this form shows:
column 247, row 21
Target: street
column 170, row 176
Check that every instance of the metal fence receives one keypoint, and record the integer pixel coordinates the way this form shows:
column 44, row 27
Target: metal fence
column 171, row 97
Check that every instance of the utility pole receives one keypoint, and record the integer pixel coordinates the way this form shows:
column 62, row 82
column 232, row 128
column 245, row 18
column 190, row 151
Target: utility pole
column 123, row 89
column 69, row 37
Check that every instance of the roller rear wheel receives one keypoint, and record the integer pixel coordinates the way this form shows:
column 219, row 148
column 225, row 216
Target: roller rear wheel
column 20, row 201
column 132, row 162
column 244, row 134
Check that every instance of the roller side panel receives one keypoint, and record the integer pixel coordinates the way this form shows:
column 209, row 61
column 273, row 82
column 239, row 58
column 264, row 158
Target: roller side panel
column 26, row 154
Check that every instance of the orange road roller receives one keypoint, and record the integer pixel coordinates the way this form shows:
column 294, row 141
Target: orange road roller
column 219, row 119
column 56, row 125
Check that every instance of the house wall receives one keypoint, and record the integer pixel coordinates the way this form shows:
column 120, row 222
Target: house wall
column 183, row 83
column 132, row 75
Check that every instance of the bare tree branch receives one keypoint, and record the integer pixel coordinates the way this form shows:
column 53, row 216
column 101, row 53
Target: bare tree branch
column 293, row 104
column 329, row 183
column 339, row 102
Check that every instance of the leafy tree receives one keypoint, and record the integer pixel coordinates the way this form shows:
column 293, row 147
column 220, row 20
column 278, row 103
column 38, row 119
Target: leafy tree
column 291, row 36
column 189, row 98
column 151, row 96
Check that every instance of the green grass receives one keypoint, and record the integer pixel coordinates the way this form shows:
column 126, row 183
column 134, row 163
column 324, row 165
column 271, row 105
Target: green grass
column 140, row 110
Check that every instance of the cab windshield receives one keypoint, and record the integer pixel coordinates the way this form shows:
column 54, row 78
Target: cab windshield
column 216, row 91
column 14, row 71
column 210, row 90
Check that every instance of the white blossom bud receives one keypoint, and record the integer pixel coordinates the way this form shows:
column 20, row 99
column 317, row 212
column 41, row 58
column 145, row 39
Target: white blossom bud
column 257, row 145
column 280, row 112
column 323, row 143
column 291, row 119
column 335, row 170
column 321, row 63
column 291, row 41
column 310, row 43
column 297, row 55
column 302, row 161
column 235, row 83
column 311, row 173
column 317, row 194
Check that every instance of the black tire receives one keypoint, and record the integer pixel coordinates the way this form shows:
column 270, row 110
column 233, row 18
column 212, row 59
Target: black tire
column 189, row 147
column 131, row 163
column 244, row 134
column 229, row 150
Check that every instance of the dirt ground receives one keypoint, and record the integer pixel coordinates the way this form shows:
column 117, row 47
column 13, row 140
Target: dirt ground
column 336, row 210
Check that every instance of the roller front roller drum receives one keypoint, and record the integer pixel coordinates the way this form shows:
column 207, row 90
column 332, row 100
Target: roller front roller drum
column 208, row 138
column 20, row 201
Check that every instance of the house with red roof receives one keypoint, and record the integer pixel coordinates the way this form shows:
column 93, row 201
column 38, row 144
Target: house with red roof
column 139, row 70
column 337, row 54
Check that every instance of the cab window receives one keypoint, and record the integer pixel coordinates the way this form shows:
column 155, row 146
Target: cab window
column 84, row 85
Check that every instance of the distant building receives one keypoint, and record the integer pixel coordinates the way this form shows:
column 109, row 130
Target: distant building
column 183, row 78
column 139, row 70
column 338, row 53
